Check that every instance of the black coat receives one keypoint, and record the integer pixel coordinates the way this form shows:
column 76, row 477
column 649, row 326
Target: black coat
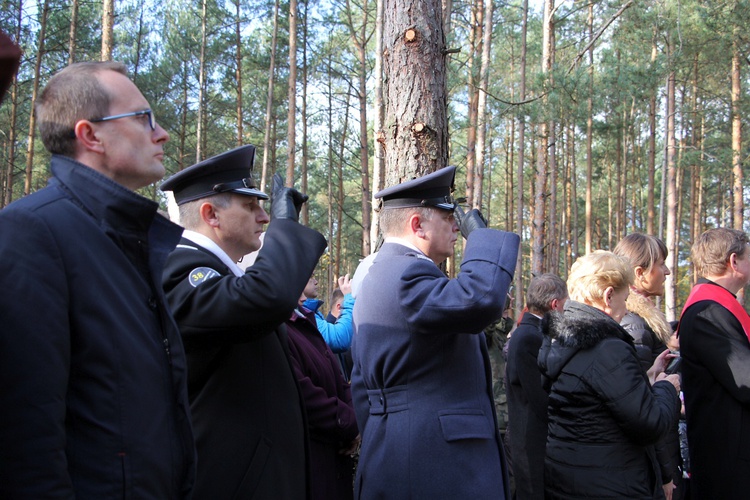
column 527, row 408
column 716, row 383
column 247, row 412
column 93, row 396
column 604, row 417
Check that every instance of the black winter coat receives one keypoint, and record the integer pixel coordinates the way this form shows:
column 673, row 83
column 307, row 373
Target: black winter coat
column 716, row 382
column 604, row 417
column 248, row 415
column 93, row 397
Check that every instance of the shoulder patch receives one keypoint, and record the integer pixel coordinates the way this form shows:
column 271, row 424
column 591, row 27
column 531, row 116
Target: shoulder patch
column 201, row 274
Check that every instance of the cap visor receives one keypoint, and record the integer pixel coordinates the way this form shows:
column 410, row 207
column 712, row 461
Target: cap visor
column 251, row 192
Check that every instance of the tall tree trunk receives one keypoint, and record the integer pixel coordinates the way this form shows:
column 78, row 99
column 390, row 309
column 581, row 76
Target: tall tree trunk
column 378, row 174
column 671, row 206
column 652, row 110
column 201, row 84
column 589, row 136
column 551, row 239
column 475, row 41
column 34, row 93
column 542, row 161
column 12, row 133
column 303, row 118
column 291, row 116
column 484, row 76
column 238, row 70
column 267, row 146
column 183, row 154
column 108, row 29
column 73, row 31
column 416, row 121
column 521, row 156
column 736, row 92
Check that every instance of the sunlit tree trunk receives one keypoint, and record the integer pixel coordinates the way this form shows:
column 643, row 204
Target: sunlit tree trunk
column 34, row 93
column 108, row 29
column 238, row 71
column 201, row 85
column 484, row 76
column 267, row 144
column 12, row 133
column 671, row 205
column 291, row 116
column 519, row 289
column 303, row 118
column 589, row 137
column 378, row 174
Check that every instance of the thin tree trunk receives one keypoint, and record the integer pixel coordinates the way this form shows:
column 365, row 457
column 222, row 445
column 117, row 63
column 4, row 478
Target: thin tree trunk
column 521, row 155
column 291, row 116
column 671, row 206
column 73, row 31
column 201, row 84
column 303, row 118
column 475, row 40
column 652, row 110
column 238, row 71
column 108, row 29
column 484, row 75
column 589, row 135
column 34, row 93
column 267, row 149
column 11, row 164
column 736, row 92
column 378, row 175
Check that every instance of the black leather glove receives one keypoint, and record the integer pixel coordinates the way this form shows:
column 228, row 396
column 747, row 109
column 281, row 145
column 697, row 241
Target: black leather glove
column 286, row 202
column 467, row 222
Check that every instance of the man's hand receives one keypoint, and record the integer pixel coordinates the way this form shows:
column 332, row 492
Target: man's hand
column 467, row 222
column 345, row 285
column 286, row 203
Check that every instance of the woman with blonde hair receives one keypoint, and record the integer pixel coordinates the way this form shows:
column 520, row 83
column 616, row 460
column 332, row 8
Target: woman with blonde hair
column 644, row 321
column 604, row 413
column 651, row 332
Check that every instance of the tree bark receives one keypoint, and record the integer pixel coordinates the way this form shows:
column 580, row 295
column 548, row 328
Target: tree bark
column 12, row 133
column 378, row 174
column 521, row 157
column 267, row 146
column 73, row 31
column 34, row 93
column 414, row 59
column 291, row 116
column 589, row 137
column 484, row 77
column 108, row 29
column 201, row 84
column 671, row 206
column 238, row 71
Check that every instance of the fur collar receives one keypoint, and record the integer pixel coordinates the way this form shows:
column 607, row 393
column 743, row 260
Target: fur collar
column 654, row 318
column 581, row 326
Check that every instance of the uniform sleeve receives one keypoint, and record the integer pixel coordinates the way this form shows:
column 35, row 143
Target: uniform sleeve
column 237, row 309
column 338, row 335
column 34, row 360
column 644, row 412
column 467, row 304
column 724, row 350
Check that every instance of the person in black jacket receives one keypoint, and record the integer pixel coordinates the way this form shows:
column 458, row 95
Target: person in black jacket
column 527, row 400
column 604, row 414
column 248, row 414
column 651, row 333
column 93, row 392
column 714, row 331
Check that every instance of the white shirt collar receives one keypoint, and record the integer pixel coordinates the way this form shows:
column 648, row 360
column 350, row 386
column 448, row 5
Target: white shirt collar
column 408, row 244
column 211, row 246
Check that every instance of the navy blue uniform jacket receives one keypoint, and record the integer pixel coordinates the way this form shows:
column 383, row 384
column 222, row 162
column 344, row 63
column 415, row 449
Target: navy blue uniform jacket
column 93, row 397
column 421, row 381
column 247, row 411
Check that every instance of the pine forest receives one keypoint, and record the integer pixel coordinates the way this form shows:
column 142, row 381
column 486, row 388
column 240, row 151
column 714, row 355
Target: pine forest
column 572, row 123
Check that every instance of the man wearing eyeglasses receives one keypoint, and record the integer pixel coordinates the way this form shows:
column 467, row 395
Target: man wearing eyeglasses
column 92, row 369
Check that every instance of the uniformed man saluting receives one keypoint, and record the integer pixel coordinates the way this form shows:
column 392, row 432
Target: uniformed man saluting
column 421, row 381
column 247, row 413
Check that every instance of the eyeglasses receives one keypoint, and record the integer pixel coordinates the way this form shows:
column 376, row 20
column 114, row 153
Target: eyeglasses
column 147, row 112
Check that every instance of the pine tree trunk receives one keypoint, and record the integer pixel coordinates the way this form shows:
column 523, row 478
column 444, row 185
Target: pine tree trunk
column 671, row 206
column 484, row 76
column 73, row 31
column 292, row 94
column 12, row 133
column 108, row 29
column 589, row 137
column 416, row 121
column 201, row 85
column 521, row 157
column 238, row 71
column 34, row 93
column 267, row 145
column 378, row 174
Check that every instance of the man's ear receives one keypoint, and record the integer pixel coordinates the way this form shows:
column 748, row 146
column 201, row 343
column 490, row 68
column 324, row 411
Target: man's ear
column 87, row 137
column 415, row 224
column 209, row 214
